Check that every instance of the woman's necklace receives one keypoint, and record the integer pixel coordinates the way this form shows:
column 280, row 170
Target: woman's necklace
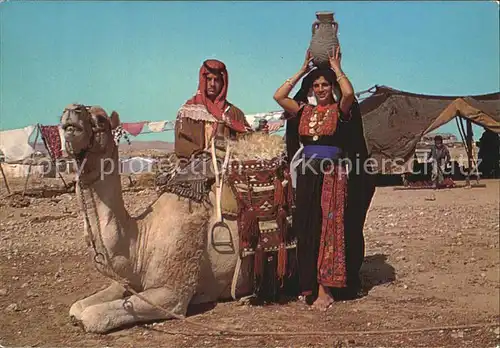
column 316, row 121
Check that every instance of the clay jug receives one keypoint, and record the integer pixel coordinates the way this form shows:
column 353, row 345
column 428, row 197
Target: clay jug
column 324, row 38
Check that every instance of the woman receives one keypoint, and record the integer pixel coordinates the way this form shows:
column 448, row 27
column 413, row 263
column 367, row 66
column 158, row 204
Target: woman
column 322, row 178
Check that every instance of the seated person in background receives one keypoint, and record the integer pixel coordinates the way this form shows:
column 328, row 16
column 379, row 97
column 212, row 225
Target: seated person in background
column 266, row 127
column 439, row 156
column 263, row 126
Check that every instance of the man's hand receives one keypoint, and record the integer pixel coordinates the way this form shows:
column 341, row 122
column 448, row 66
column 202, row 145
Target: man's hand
column 275, row 126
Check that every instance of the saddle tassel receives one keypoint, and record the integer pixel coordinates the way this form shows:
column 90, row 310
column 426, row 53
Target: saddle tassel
column 282, row 252
column 282, row 262
column 282, row 222
column 279, row 194
column 249, row 227
column 290, row 196
column 258, row 261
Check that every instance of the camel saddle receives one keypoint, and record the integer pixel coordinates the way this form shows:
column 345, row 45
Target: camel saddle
column 194, row 178
column 191, row 180
column 265, row 198
column 258, row 194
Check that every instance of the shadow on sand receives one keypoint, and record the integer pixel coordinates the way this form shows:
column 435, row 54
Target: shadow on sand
column 376, row 271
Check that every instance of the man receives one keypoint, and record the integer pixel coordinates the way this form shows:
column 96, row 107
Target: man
column 208, row 114
column 440, row 156
column 205, row 117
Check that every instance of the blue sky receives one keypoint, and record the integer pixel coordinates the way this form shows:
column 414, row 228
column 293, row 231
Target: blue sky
column 142, row 58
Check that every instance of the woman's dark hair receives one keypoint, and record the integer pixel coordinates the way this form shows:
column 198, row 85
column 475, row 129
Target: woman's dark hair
column 328, row 74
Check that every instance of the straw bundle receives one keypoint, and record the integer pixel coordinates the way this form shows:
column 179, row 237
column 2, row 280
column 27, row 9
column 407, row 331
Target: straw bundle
column 257, row 146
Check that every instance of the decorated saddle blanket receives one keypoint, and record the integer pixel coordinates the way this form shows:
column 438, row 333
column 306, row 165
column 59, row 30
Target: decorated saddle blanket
column 264, row 196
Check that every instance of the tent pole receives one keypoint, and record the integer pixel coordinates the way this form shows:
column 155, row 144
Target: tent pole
column 5, row 179
column 469, row 149
column 463, row 136
column 32, row 157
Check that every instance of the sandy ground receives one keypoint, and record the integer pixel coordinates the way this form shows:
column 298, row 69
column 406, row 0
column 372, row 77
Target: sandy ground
column 432, row 261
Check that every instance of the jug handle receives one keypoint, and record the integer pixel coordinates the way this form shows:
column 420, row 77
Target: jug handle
column 315, row 23
column 335, row 26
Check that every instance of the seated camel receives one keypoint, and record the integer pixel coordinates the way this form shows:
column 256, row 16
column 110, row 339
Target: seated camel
column 166, row 255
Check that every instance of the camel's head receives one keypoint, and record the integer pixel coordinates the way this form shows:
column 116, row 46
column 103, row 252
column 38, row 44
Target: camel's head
column 87, row 131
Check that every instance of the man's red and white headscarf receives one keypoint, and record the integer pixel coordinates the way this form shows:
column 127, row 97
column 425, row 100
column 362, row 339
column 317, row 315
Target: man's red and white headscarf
column 201, row 108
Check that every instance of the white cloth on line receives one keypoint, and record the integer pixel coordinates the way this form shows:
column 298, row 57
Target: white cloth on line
column 14, row 143
column 156, row 126
column 63, row 141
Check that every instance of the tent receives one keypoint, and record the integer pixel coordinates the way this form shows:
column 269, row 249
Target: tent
column 394, row 121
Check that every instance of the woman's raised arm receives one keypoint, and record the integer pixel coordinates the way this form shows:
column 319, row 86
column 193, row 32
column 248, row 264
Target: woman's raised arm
column 345, row 84
column 281, row 95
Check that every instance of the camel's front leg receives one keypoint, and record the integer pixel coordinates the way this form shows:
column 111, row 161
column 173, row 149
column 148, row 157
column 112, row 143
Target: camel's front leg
column 104, row 317
column 113, row 292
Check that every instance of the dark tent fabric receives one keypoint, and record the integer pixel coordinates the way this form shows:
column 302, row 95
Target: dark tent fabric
column 394, row 121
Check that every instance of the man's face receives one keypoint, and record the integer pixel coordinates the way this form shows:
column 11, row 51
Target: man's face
column 214, row 85
column 438, row 143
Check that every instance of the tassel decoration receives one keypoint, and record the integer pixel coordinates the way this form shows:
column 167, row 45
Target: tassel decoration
column 279, row 194
column 282, row 224
column 290, row 196
column 282, row 261
column 249, row 227
column 258, row 262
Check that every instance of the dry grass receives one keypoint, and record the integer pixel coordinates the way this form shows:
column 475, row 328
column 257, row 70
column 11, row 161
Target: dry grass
column 258, row 146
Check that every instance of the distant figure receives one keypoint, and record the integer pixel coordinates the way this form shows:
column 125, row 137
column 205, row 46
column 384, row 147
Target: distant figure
column 266, row 127
column 263, row 126
column 439, row 156
column 489, row 154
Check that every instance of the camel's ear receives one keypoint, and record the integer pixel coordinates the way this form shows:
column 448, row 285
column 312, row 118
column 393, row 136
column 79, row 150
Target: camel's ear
column 114, row 119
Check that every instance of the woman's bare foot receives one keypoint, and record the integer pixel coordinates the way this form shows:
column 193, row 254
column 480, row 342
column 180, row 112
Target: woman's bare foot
column 324, row 300
column 323, row 304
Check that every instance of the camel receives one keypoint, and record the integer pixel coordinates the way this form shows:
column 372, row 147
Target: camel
column 165, row 255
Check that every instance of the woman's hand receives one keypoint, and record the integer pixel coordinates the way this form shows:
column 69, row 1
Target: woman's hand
column 306, row 66
column 281, row 95
column 344, row 83
column 335, row 59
